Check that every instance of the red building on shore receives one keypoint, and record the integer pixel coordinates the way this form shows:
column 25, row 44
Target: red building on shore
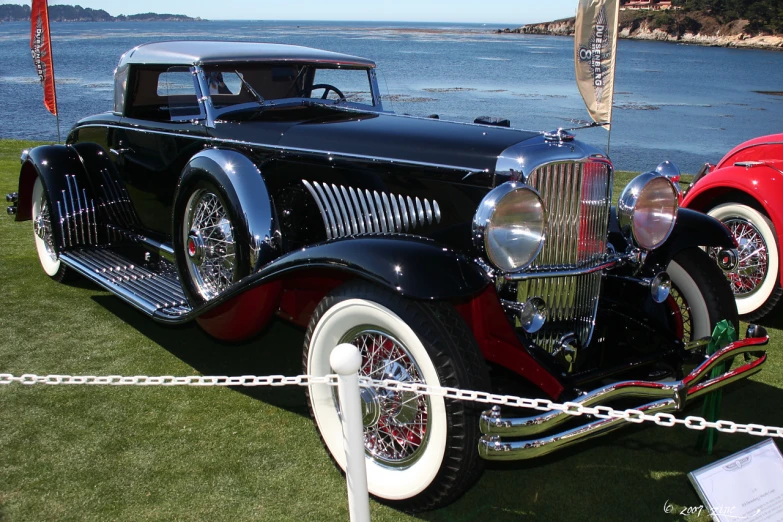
column 647, row 5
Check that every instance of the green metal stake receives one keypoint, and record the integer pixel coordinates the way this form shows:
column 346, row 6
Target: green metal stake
column 722, row 335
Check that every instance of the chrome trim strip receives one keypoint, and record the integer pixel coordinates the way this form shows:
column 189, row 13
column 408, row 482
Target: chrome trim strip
column 281, row 148
column 349, row 211
column 350, row 207
column 62, row 228
column 320, row 206
column 404, row 213
column 567, row 272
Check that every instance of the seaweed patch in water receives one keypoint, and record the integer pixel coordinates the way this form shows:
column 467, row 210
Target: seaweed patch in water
column 449, row 89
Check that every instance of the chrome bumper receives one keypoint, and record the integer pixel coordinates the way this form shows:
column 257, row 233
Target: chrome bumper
column 664, row 397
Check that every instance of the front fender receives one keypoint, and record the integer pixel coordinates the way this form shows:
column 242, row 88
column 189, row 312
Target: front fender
column 414, row 267
column 692, row 229
column 763, row 184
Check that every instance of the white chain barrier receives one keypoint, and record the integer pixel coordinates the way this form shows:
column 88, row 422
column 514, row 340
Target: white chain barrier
column 346, row 360
column 570, row 408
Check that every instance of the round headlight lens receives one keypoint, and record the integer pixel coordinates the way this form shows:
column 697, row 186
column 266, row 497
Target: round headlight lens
column 510, row 226
column 647, row 210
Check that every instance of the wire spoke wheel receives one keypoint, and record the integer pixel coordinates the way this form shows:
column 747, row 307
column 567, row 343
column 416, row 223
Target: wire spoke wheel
column 682, row 313
column 209, row 242
column 43, row 229
column 753, row 265
column 395, row 422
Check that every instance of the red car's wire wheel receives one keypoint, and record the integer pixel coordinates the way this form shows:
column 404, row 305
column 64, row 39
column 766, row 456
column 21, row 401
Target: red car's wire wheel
column 753, row 257
column 395, row 422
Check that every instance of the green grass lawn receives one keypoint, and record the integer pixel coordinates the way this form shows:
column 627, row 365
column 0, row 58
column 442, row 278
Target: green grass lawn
column 183, row 453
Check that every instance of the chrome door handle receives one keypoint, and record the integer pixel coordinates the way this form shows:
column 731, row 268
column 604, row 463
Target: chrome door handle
column 121, row 151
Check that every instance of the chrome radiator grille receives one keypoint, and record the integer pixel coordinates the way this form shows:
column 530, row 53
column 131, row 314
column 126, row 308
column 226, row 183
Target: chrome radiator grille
column 577, row 197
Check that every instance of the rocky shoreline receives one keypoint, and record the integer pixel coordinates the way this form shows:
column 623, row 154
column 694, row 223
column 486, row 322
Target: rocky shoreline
column 733, row 36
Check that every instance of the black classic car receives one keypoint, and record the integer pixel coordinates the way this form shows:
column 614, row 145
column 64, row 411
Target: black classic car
column 236, row 182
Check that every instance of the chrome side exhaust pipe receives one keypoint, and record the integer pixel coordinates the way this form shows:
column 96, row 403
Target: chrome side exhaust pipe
column 664, row 397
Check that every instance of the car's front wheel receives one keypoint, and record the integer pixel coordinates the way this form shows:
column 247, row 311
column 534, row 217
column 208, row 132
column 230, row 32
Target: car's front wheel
column 421, row 451
column 700, row 296
column 756, row 280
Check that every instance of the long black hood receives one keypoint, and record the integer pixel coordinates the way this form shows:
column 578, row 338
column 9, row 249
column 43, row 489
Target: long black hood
column 386, row 136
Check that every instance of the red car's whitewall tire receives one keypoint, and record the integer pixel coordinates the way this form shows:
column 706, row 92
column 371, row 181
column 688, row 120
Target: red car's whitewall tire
column 434, row 346
column 756, row 281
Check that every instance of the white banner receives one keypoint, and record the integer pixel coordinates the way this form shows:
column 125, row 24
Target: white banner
column 595, row 49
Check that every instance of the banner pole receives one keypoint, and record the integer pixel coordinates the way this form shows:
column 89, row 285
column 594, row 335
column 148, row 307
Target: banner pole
column 57, row 110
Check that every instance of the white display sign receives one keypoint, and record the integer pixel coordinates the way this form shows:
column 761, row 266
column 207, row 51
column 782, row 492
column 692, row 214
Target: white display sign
column 745, row 486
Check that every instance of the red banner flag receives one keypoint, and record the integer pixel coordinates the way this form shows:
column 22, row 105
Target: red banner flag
column 41, row 48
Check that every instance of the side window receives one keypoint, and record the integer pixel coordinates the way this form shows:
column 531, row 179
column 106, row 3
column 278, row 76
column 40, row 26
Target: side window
column 178, row 87
column 354, row 84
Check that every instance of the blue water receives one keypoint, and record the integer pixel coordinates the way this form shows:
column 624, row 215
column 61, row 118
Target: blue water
column 684, row 103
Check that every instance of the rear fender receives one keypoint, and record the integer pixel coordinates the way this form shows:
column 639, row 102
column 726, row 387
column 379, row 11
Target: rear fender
column 62, row 173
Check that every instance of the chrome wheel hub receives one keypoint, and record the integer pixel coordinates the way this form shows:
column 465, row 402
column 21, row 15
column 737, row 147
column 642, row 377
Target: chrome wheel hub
column 371, row 407
column 753, row 263
column 396, row 423
column 209, row 244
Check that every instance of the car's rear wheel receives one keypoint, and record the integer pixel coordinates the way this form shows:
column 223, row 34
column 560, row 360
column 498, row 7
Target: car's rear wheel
column 756, row 280
column 44, row 235
column 421, row 451
column 209, row 256
column 700, row 295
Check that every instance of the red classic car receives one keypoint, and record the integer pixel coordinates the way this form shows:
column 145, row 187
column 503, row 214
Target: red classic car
column 745, row 192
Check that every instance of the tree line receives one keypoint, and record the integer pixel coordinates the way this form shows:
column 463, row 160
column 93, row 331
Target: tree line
column 762, row 15
column 77, row 13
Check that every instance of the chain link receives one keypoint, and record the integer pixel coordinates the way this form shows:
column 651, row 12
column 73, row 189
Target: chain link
column 570, row 408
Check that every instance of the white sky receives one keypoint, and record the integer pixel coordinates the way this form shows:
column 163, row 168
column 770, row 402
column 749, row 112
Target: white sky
column 511, row 12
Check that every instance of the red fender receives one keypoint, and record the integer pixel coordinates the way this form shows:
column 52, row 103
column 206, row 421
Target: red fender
column 763, row 183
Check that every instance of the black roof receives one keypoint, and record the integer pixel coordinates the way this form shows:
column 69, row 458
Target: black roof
column 198, row 52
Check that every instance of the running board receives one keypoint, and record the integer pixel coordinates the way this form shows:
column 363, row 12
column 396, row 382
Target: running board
column 156, row 293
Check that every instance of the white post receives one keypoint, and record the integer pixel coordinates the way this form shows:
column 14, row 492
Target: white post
column 346, row 362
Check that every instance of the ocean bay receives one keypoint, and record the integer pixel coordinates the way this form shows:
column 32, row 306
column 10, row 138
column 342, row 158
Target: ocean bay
column 688, row 104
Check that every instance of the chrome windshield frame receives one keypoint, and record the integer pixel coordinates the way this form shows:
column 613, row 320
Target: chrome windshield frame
column 211, row 114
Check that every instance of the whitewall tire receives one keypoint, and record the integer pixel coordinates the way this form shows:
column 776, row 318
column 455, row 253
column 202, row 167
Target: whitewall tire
column 700, row 294
column 43, row 234
column 421, row 451
column 756, row 281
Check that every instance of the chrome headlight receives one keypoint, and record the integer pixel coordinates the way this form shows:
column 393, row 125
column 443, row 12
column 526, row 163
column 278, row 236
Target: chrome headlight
column 647, row 209
column 509, row 227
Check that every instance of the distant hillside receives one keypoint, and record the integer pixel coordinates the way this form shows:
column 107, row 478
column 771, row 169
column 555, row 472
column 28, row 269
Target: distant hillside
column 730, row 23
column 77, row 13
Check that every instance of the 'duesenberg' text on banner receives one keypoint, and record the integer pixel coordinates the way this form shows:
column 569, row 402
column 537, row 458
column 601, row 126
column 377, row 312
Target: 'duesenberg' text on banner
column 41, row 49
column 595, row 49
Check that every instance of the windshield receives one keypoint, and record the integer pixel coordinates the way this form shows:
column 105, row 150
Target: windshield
column 234, row 87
